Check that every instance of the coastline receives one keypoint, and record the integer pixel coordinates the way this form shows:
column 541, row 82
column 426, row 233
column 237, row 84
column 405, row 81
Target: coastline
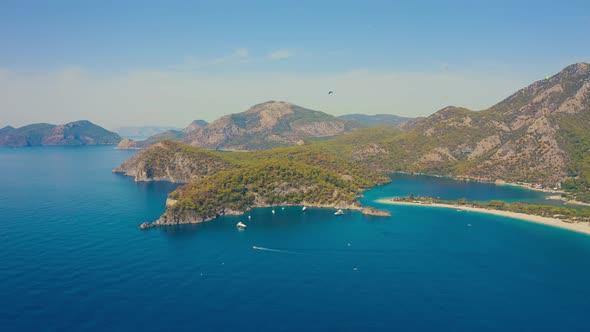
column 499, row 182
column 576, row 227
column 188, row 217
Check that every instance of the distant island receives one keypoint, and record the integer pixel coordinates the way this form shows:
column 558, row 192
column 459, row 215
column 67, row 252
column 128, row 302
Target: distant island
column 73, row 133
column 538, row 137
column 576, row 219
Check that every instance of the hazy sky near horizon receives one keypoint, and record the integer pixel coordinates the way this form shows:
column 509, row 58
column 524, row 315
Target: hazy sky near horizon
column 169, row 62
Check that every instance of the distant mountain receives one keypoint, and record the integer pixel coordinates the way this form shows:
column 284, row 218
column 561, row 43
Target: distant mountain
column 73, row 133
column 5, row 130
column 376, row 120
column 143, row 132
column 267, row 125
column 197, row 124
column 175, row 135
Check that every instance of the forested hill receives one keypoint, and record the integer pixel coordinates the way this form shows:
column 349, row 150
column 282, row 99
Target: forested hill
column 237, row 181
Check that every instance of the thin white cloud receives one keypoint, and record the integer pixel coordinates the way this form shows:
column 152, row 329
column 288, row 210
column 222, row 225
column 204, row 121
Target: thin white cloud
column 279, row 55
column 242, row 52
column 191, row 63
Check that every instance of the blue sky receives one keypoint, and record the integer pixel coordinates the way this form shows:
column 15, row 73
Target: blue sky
column 60, row 60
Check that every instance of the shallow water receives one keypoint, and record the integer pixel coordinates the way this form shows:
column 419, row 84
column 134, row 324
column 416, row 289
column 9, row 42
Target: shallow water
column 72, row 259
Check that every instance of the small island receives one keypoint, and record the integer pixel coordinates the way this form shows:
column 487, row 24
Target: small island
column 575, row 219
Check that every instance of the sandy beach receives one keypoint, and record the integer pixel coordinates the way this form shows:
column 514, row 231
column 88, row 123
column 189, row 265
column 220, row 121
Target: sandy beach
column 576, row 227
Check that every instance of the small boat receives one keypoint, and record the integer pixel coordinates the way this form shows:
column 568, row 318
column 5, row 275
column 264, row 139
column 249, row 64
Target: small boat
column 249, row 217
column 304, row 208
column 241, row 225
column 273, row 211
column 339, row 212
column 283, row 208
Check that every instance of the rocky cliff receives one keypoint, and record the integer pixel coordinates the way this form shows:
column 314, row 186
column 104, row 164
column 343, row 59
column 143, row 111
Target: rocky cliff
column 173, row 162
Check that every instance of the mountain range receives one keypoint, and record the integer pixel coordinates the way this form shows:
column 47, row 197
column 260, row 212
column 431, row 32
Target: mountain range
column 263, row 126
column 539, row 135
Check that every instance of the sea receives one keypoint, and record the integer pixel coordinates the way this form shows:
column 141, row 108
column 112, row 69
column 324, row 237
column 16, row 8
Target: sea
column 73, row 259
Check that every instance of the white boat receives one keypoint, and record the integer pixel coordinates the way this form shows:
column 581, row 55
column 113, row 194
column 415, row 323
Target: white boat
column 339, row 212
column 273, row 211
column 304, row 208
column 241, row 225
column 283, row 208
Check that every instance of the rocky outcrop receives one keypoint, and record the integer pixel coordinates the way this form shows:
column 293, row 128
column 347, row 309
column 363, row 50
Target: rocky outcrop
column 173, row 162
column 375, row 212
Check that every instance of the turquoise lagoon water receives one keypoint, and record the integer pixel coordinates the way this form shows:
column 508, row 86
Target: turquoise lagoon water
column 72, row 259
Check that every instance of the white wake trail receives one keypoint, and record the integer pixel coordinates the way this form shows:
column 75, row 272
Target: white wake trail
column 273, row 250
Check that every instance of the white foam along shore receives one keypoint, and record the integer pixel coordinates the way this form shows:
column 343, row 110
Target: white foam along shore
column 576, row 227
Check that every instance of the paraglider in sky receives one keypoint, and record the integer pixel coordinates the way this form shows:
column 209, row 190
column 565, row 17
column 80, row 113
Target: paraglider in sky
column 331, row 92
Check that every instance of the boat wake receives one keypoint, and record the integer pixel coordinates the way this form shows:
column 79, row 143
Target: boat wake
column 273, row 250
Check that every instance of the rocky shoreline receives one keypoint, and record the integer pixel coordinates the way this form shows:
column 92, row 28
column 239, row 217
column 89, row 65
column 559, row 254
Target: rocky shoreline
column 189, row 217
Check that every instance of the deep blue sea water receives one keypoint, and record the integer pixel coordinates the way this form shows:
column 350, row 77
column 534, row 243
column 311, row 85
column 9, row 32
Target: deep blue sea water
column 72, row 259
